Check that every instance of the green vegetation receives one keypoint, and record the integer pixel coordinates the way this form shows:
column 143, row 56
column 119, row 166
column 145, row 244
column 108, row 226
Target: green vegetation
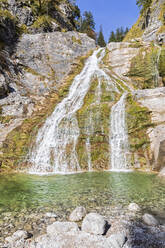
column 144, row 4
column 93, row 119
column 143, row 68
column 138, row 121
column 118, row 35
column 87, row 24
column 162, row 65
column 100, row 41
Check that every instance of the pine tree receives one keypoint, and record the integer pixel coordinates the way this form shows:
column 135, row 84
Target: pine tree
column 87, row 25
column 101, row 41
column 112, row 37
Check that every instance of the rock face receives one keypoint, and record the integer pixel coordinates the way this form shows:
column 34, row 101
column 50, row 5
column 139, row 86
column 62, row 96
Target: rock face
column 19, row 17
column 40, row 65
column 94, row 224
column 151, row 23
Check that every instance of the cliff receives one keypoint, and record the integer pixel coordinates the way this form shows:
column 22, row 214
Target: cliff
column 151, row 23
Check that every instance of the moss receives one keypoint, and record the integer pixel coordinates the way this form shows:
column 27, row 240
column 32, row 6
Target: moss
column 75, row 40
column 138, row 121
column 162, row 14
column 43, row 21
column 162, row 64
column 142, row 70
column 17, row 143
column 5, row 119
column 93, row 120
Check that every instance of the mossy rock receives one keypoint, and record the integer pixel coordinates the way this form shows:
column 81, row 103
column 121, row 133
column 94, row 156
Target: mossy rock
column 143, row 69
column 138, row 120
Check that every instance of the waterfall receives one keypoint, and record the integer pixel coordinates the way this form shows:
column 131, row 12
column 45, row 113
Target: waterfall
column 55, row 146
column 119, row 144
column 156, row 75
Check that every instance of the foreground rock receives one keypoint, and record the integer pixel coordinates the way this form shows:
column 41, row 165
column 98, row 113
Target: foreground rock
column 77, row 214
column 62, row 227
column 150, row 220
column 117, row 240
column 94, row 224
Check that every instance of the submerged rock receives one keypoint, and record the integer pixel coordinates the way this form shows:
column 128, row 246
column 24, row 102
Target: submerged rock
column 133, row 207
column 94, row 223
column 77, row 214
column 150, row 220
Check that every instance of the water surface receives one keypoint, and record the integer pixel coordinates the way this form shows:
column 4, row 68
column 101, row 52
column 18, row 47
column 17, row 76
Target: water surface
column 94, row 190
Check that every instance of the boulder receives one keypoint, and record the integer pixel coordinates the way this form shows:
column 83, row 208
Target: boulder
column 150, row 220
column 77, row 214
column 117, row 240
column 133, row 207
column 62, row 227
column 94, row 223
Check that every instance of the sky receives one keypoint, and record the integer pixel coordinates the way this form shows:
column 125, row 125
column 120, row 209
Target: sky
column 111, row 14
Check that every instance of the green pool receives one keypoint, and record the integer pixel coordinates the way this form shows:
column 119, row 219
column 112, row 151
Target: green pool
column 94, row 190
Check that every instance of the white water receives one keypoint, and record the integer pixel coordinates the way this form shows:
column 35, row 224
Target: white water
column 119, row 138
column 156, row 75
column 55, row 148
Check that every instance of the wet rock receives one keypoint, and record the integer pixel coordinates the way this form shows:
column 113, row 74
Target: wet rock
column 133, row 207
column 51, row 215
column 117, row 240
column 62, row 227
column 77, row 214
column 94, row 223
column 150, row 220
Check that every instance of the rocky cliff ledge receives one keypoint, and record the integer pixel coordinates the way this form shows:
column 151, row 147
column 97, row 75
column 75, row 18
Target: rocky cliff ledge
column 151, row 23
column 31, row 82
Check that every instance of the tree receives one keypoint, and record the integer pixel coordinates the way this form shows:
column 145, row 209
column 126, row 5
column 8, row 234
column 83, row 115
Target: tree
column 118, row 35
column 112, row 37
column 87, row 21
column 143, row 4
column 100, row 41
column 87, row 24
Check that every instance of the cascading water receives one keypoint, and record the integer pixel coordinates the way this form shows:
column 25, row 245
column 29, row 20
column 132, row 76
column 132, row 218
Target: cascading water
column 55, row 148
column 156, row 71
column 119, row 138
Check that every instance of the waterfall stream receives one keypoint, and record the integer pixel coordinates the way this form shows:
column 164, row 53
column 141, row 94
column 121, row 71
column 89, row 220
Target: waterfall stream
column 55, row 146
column 119, row 138
column 156, row 75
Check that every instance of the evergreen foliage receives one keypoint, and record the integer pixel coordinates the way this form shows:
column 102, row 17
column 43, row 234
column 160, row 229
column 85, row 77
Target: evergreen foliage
column 100, row 41
column 118, row 35
column 143, row 4
column 87, row 24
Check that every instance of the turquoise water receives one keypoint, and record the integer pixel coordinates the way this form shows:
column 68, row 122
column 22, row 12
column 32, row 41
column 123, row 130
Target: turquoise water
column 92, row 190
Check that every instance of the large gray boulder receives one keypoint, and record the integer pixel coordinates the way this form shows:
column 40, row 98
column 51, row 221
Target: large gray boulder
column 94, row 223
column 77, row 214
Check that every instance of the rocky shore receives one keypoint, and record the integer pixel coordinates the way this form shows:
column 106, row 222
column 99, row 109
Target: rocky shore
column 131, row 228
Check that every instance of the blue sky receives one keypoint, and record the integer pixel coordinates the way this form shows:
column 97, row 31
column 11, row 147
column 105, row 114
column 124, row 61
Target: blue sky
column 111, row 14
